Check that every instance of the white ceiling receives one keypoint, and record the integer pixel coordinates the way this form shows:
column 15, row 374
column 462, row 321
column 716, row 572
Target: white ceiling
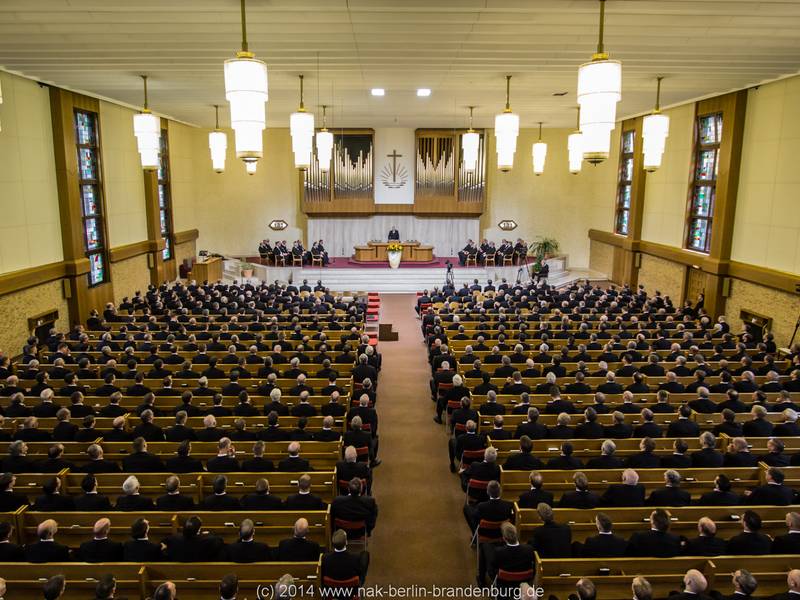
column 460, row 48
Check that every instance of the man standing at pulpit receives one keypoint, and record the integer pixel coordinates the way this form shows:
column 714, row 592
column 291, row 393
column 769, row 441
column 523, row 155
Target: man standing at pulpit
column 394, row 235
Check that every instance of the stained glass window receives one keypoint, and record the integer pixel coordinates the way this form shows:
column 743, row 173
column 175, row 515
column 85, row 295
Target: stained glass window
column 164, row 196
column 90, row 188
column 624, row 184
column 703, row 190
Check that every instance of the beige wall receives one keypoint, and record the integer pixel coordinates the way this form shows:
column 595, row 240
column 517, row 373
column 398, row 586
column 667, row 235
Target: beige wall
column 601, row 257
column 185, row 251
column 130, row 276
column 16, row 308
column 781, row 306
column 124, row 182
column 184, row 143
column 667, row 188
column 663, row 275
column 556, row 203
column 767, row 227
column 30, row 230
column 233, row 208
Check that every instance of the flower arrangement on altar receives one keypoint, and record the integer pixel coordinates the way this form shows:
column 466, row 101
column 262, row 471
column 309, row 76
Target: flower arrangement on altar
column 394, row 247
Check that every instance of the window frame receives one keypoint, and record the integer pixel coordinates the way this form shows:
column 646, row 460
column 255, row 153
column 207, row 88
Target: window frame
column 619, row 206
column 165, row 191
column 94, row 146
column 692, row 215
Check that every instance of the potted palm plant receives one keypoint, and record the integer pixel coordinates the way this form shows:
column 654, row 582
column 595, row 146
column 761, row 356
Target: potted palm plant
column 544, row 248
column 246, row 269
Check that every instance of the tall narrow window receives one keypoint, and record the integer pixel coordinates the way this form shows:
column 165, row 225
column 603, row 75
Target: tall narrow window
column 703, row 190
column 625, row 183
column 91, row 190
column 165, row 197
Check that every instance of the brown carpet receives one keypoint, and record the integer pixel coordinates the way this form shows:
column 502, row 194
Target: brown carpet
column 421, row 537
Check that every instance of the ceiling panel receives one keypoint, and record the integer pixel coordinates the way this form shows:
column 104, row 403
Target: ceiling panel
column 460, row 48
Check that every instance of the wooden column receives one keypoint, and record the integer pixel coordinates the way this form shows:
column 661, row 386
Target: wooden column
column 81, row 298
column 155, row 261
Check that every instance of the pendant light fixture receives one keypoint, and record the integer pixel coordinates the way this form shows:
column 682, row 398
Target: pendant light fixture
column 599, row 90
column 470, row 144
column 539, row 152
column 147, row 129
column 250, row 167
column 506, row 130
column 655, row 130
column 301, row 126
column 218, row 144
column 246, row 91
column 575, row 147
column 324, row 145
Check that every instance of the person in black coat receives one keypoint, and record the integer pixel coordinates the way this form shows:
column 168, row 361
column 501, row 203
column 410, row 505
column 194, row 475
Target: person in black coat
column 759, row 426
column 536, row 495
column 678, row 459
column 191, row 545
column 98, row 464
column 9, row 499
column 605, row 544
column 582, row 497
column 304, row 499
column 294, row 463
column 298, row 548
column 647, row 458
column 139, row 548
column 100, row 548
column 590, row 429
column 607, row 459
column 246, row 549
column 565, row 461
column 551, row 539
column 683, row 426
column 355, row 507
column 648, row 427
column 51, row 499
column 658, row 541
column 707, row 457
column 744, row 586
column 511, row 557
column 220, row 500
column 485, row 470
column 721, row 495
column 341, row 565
column 258, row 464
column 628, row 493
column 751, row 540
column 225, row 460
column 180, row 432
column 173, row 500
column 523, row 460
column 739, row 454
column 90, row 499
column 9, row 551
column 671, row 494
column 140, row 460
column 46, row 549
column 131, row 500
column 706, row 543
column 773, row 493
column 793, row 582
column 261, row 499
column 789, row 543
column 183, row 462
column 695, row 585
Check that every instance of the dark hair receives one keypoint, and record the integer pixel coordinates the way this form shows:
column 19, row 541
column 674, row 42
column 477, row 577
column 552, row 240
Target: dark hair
column 105, row 586
column 660, row 519
column 192, row 526
column 229, row 586
column 723, row 483
column 54, row 587
column 752, row 519
column 139, row 528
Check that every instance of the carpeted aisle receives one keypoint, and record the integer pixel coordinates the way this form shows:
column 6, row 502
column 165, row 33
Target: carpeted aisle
column 421, row 537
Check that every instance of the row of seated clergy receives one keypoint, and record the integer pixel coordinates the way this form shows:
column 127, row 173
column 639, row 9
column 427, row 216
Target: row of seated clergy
column 192, row 544
column 629, row 492
column 554, row 540
column 123, row 429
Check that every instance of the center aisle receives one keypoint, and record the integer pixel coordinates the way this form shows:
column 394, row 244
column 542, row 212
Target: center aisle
column 421, row 537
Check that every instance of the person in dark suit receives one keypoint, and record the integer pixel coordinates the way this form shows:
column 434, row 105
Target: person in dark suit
column 9, row 551
column 394, row 234
column 607, row 458
column 739, row 454
column 789, row 543
column 9, row 499
column 147, row 429
column 551, row 539
column 565, row 460
column 619, row 429
column 773, row 493
column 139, row 548
column 261, row 499
column 191, row 545
column 590, row 429
column 678, row 459
column 100, row 548
column 751, row 540
column 180, row 432
column 523, row 460
column 721, row 495
column 304, row 499
column 628, row 493
column 183, row 462
column 132, row 500
column 258, row 464
column 793, row 583
column 298, row 548
column 294, row 463
column 706, row 543
column 511, row 557
column 220, row 500
column 246, row 549
column 658, row 541
column 605, row 544
column 140, row 460
column 744, row 586
column 683, row 426
column 694, row 584
column 671, row 494
column 758, row 426
column 51, row 499
column 536, row 495
column 646, row 458
column 648, row 427
column 173, row 500
column 532, row 428
column 582, row 497
column 225, row 460
column 46, row 549
column 357, row 508
column 90, row 499
column 707, row 457
column 341, row 565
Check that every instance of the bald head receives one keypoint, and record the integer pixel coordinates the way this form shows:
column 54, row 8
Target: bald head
column 694, row 581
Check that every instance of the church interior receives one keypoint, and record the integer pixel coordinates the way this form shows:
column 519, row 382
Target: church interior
column 423, row 299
